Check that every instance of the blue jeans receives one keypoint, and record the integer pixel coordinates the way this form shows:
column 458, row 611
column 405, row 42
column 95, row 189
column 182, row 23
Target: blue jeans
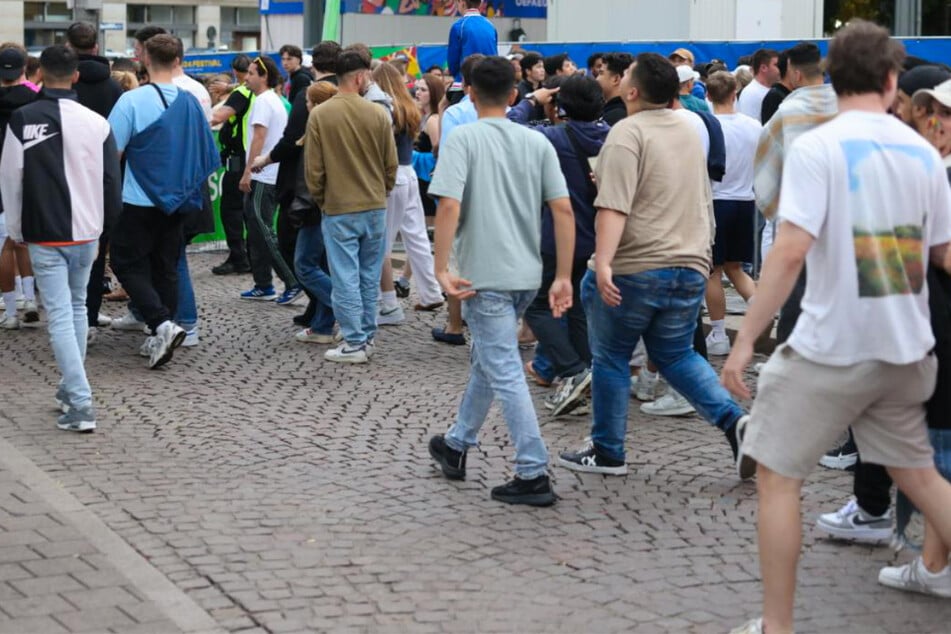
column 496, row 373
column 63, row 273
column 662, row 307
column 186, row 315
column 308, row 266
column 355, row 244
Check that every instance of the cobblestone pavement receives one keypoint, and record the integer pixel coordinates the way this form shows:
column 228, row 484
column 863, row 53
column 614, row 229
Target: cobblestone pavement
column 283, row 493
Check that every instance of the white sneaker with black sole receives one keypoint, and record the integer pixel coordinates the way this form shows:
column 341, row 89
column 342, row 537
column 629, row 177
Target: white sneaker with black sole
column 851, row 522
column 168, row 336
column 31, row 314
column 914, row 577
column 843, row 456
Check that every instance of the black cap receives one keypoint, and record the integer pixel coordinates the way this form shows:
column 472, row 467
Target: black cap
column 12, row 62
column 922, row 77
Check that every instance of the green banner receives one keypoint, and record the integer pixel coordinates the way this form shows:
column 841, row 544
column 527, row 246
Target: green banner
column 332, row 20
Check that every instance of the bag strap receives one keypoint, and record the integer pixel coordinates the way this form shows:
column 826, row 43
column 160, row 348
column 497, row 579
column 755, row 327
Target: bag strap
column 582, row 157
column 161, row 96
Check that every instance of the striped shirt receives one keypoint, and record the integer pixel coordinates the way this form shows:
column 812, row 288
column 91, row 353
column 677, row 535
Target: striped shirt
column 804, row 109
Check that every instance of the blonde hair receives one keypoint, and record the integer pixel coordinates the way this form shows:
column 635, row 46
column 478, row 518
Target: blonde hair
column 406, row 114
column 321, row 91
column 126, row 80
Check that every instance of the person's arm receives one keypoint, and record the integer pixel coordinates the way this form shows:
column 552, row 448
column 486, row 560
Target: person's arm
column 287, row 148
column 111, row 183
column 779, row 275
column 608, row 227
column 222, row 114
column 11, row 184
column 258, row 136
column 563, row 218
column 768, row 167
column 432, row 129
column 455, row 50
column 315, row 173
column 447, row 221
column 391, row 161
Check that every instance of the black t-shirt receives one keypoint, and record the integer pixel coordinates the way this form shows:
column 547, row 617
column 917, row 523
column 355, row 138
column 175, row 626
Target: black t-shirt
column 938, row 406
column 771, row 101
column 230, row 135
column 615, row 110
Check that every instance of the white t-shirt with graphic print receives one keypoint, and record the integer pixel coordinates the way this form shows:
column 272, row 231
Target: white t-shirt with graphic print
column 875, row 196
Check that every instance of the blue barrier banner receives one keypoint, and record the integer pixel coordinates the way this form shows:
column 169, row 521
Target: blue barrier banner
column 448, row 8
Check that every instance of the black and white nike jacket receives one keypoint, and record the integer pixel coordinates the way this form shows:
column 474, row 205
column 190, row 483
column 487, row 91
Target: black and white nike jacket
column 59, row 172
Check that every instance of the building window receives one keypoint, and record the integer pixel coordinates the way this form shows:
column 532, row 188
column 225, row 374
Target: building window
column 44, row 24
column 179, row 20
column 240, row 28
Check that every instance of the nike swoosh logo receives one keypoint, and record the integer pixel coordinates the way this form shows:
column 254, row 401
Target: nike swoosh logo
column 29, row 144
column 858, row 521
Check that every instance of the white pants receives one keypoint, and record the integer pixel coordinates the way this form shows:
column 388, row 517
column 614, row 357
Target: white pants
column 404, row 214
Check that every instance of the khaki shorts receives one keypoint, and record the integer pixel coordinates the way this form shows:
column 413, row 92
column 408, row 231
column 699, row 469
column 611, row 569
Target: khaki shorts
column 802, row 407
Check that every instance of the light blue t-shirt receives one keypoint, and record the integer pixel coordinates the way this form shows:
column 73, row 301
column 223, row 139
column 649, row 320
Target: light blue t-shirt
column 501, row 173
column 135, row 111
column 462, row 113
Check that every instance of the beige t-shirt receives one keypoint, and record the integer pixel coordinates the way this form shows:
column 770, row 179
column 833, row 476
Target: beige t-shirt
column 652, row 168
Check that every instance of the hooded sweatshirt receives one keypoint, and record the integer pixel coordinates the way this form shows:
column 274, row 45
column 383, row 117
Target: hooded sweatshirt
column 590, row 136
column 11, row 98
column 96, row 89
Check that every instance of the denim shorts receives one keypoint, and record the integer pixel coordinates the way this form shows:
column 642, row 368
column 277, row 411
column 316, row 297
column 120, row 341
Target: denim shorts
column 941, row 442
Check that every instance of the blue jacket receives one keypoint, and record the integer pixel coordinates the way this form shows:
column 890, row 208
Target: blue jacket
column 469, row 35
column 591, row 137
column 173, row 157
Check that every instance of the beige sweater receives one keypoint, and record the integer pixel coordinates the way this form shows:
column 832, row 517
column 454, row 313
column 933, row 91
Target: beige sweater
column 349, row 155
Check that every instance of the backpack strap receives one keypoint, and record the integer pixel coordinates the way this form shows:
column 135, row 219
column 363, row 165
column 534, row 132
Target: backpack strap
column 161, row 96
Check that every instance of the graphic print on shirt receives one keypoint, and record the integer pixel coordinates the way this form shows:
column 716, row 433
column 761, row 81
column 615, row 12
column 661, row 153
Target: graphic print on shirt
column 889, row 260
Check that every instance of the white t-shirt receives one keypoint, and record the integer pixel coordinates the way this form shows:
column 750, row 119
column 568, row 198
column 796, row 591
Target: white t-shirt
column 750, row 102
column 875, row 196
column 741, row 136
column 697, row 122
column 197, row 89
column 267, row 110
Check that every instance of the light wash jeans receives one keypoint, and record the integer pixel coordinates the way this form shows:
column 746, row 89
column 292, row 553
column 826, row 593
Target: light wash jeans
column 308, row 267
column 496, row 373
column 63, row 273
column 354, row 244
column 662, row 307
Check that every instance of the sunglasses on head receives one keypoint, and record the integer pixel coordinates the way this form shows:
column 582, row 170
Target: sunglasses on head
column 260, row 63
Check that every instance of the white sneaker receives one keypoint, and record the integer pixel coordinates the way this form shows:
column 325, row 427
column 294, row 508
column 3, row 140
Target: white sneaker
column 718, row 346
column 851, row 522
column 646, row 385
column 128, row 322
column 914, row 577
column 309, row 336
column 31, row 314
column 168, row 336
column 191, row 338
column 103, row 321
column 758, row 368
column 10, row 323
column 750, row 627
column 390, row 316
column 670, row 404
column 92, row 336
column 345, row 354
column 145, row 350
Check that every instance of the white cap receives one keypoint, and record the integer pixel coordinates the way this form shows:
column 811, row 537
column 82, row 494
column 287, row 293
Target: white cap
column 940, row 93
column 685, row 74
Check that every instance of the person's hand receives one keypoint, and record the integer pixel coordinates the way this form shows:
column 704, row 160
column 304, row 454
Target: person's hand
column 544, row 95
column 245, row 183
column 610, row 293
column 455, row 286
column 560, row 296
column 260, row 163
column 732, row 375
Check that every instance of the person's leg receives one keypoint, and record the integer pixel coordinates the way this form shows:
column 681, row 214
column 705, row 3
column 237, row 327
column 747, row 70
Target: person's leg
column 551, row 332
column 872, row 487
column 94, row 288
column 577, row 320
column 186, row 316
column 286, row 240
column 258, row 227
column 232, row 220
column 742, row 282
column 372, row 247
column 343, row 254
column 167, row 255
column 418, row 248
column 133, row 241
column 8, row 268
column 779, row 530
column 930, row 493
column 715, row 296
column 81, row 262
column 307, row 265
column 60, row 270
column 25, row 269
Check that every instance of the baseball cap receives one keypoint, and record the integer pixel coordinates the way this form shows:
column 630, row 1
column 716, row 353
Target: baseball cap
column 12, row 62
column 685, row 74
column 682, row 53
column 940, row 93
column 921, row 77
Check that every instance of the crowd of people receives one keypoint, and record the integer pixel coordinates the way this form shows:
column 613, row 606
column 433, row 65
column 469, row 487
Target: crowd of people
column 589, row 213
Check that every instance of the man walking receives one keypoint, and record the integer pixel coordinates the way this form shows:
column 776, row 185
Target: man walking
column 651, row 261
column 170, row 153
column 472, row 33
column 350, row 162
column 60, row 182
column 492, row 178
column 865, row 202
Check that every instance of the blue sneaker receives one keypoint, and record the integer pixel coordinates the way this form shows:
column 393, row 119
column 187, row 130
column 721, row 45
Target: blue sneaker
column 261, row 294
column 289, row 296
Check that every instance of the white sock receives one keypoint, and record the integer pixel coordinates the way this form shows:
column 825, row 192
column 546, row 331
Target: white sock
column 403, row 281
column 389, row 300
column 10, row 300
column 29, row 290
column 718, row 328
column 18, row 285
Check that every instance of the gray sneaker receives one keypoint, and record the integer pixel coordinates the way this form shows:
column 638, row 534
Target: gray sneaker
column 851, row 522
column 62, row 399
column 571, row 393
column 168, row 336
column 80, row 420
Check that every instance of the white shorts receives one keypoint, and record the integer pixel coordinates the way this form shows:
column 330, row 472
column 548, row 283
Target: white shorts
column 3, row 229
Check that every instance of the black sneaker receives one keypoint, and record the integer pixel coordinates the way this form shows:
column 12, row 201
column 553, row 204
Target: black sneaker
column 534, row 492
column 402, row 290
column 452, row 462
column 843, row 456
column 590, row 460
column 229, row 267
column 745, row 466
column 301, row 320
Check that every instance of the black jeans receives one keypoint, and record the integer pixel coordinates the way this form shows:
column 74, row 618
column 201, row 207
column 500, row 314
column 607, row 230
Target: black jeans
column 872, row 488
column 94, row 287
column 259, row 209
column 286, row 236
column 567, row 348
column 146, row 245
column 232, row 217
column 789, row 313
